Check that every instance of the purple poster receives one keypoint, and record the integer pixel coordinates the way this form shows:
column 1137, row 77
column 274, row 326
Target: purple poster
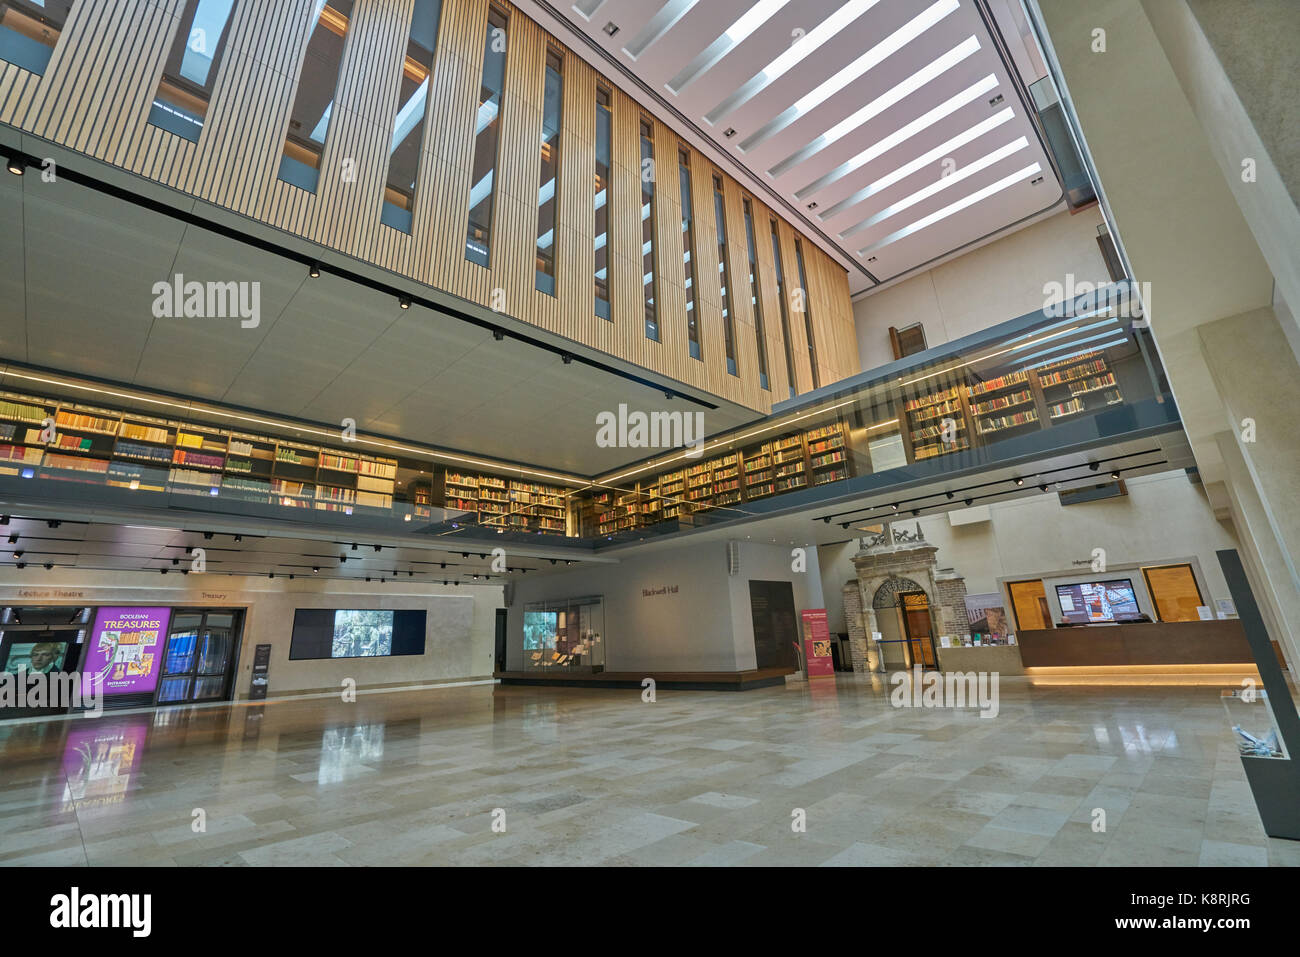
column 125, row 648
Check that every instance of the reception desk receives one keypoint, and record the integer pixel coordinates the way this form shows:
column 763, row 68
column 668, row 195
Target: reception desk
column 1152, row 643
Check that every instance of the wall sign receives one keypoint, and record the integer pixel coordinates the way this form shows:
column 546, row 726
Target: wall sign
column 261, row 673
column 661, row 590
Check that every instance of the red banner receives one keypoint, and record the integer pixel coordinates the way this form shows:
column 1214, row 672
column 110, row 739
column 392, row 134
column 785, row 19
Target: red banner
column 817, row 644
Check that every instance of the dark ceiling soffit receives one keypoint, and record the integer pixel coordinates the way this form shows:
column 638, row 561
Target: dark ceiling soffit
column 730, row 160
column 117, row 192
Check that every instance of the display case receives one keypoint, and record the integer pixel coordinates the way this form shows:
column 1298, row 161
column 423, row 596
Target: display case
column 1254, row 729
column 566, row 635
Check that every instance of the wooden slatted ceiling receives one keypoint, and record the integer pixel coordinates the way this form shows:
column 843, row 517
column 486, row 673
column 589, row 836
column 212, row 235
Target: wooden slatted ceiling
column 97, row 90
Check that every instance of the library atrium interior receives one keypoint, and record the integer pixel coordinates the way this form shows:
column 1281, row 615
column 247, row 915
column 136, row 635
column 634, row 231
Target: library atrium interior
column 922, row 459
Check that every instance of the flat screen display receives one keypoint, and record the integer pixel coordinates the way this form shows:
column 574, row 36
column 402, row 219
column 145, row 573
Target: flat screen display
column 124, row 647
column 355, row 633
column 1095, row 602
column 37, row 657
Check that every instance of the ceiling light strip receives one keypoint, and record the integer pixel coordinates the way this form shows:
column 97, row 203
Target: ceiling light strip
column 943, row 182
column 587, row 8
column 828, row 88
column 659, row 24
column 952, row 209
column 802, row 48
column 945, row 148
column 734, row 35
column 967, row 48
column 921, row 123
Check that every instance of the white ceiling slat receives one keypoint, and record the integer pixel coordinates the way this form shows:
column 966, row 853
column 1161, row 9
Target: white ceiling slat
column 849, row 125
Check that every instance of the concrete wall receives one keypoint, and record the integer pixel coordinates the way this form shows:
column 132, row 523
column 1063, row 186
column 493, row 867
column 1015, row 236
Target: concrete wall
column 1164, row 518
column 986, row 286
column 705, row 625
column 460, row 624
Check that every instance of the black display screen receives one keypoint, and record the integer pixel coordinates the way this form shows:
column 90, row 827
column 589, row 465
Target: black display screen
column 355, row 633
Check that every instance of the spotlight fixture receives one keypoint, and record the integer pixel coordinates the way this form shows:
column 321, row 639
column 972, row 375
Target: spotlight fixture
column 13, row 539
column 826, row 519
column 916, row 511
column 950, row 495
column 343, row 559
column 566, row 358
column 968, row 501
column 1115, row 474
column 567, row 562
column 410, row 573
column 239, row 538
column 354, row 546
column 667, row 395
column 442, row 564
column 207, row 536
column 403, row 303
column 844, row 525
column 315, row 569
column 4, row 519
column 1094, row 466
column 22, row 564
column 16, row 166
column 482, row 554
column 185, row 571
column 290, row 578
column 464, row 554
column 729, row 132
column 552, row 561
column 367, row 578
column 314, row 271
column 1018, row 480
column 270, row 574
column 1042, row 488
column 498, row 335
column 49, row 565
column 18, row 554
column 611, row 28
column 176, row 561
column 53, row 523
column 379, row 548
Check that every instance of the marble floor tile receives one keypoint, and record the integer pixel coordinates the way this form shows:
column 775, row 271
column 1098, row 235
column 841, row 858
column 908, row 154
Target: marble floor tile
column 595, row 776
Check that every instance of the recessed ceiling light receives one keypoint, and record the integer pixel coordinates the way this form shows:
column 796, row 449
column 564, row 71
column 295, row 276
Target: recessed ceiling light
column 611, row 28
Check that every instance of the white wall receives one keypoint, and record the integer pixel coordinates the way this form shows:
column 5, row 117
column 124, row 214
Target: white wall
column 705, row 625
column 460, row 624
column 989, row 285
column 1164, row 518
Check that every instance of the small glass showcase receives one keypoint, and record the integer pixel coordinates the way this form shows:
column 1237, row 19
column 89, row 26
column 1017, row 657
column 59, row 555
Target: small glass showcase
column 567, row 635
column 1250, row 715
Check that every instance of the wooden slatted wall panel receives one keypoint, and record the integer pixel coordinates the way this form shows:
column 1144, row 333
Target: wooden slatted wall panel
column 95, row 97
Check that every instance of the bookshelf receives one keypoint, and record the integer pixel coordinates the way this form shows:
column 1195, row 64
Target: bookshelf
column 828, row 453
column 499, row 503
column 1083, row 383
column 1004, row 404
column 924, row 416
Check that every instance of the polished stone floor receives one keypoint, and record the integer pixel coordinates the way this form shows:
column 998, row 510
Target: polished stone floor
column 601, row 777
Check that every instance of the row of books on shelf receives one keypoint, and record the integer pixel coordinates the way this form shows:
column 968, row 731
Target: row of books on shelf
column 1001, row 422
column 1069, row 373
column 1001, row 382
column 1002, row 402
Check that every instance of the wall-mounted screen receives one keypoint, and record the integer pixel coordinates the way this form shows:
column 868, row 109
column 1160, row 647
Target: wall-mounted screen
column 355, row 633
column 1094, row 602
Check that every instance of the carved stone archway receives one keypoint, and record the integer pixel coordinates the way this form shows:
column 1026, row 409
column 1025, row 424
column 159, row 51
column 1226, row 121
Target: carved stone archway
column 886, row 595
